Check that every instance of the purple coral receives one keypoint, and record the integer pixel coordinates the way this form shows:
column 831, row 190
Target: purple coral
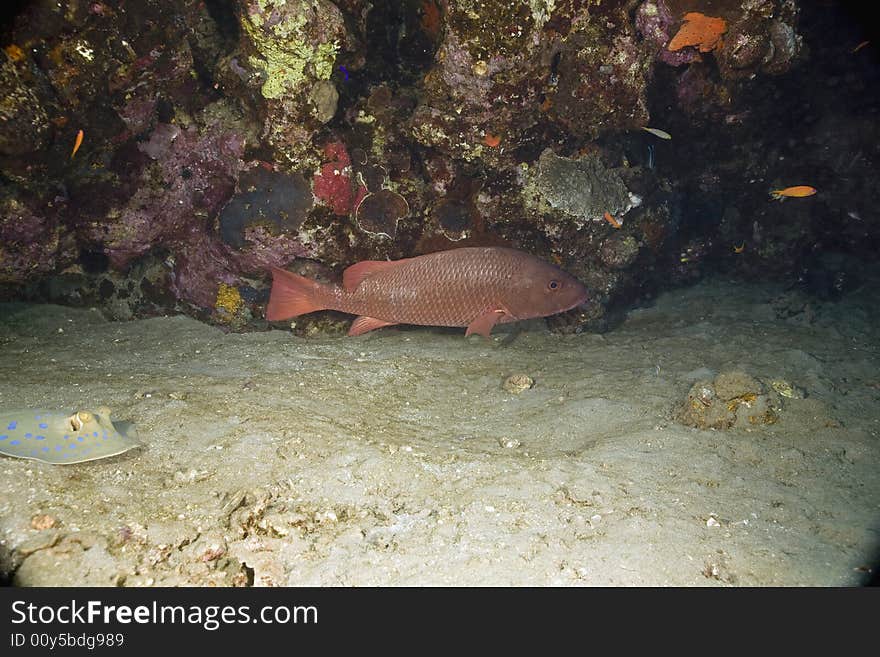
column 188, row 174
column 656, row 24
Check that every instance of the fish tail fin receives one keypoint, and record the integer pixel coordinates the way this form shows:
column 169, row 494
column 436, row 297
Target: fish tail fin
column 293, row 295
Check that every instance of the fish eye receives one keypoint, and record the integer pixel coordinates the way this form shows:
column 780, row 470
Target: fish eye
column 553, row 285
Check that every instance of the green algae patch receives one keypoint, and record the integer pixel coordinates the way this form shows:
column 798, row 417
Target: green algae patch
column 288, row 52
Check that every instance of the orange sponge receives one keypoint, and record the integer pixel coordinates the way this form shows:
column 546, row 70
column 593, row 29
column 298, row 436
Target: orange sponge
column 699, row 30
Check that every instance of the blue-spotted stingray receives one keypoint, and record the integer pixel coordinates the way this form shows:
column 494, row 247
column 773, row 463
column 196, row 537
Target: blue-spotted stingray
column 61, row 438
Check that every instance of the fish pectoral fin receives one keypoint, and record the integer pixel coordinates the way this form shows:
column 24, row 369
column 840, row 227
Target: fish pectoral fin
column 365, row 324
column 483, row 323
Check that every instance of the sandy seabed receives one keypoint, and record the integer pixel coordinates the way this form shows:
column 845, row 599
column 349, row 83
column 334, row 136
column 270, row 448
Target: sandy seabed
column 397, row 458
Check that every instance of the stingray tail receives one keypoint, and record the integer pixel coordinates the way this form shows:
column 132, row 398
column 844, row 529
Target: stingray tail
column 293, row 295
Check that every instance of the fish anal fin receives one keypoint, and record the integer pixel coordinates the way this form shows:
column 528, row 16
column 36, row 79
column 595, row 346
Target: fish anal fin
column 354, row 275
column 365, row 324
column 483, row 323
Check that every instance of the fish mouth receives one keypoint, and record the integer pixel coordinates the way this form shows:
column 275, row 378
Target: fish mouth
column 576, row 304
column 580, row 302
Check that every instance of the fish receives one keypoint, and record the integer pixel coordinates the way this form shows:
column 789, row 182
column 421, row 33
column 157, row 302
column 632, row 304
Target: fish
column 611, row 220
column 859, row 47
column 77, row 143
column 491, row 140
column 657, row 132
column 62, row 438
column 740, row 248
column 798, row 191
column 474, row 287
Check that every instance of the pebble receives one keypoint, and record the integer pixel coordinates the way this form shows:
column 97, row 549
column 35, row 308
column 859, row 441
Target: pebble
column 517, row 383
column 43, row 521
column 786, row 389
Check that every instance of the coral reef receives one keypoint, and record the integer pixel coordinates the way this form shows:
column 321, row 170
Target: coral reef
column 582, row 189
column 290, row 47
column 24, row 124
column 21, row 256
column 276, row 201
column 226, row 137
column 379, row 212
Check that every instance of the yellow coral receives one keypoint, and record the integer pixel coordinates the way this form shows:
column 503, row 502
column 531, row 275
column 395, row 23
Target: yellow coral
column 746, row 399
column 14, row 53
column 228, row 299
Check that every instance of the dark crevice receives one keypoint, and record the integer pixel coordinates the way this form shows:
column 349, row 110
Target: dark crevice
column 225, row 15
column 400, row 46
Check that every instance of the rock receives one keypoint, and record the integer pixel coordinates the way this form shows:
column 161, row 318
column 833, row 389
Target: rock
column 730, row 385
column 517, row 383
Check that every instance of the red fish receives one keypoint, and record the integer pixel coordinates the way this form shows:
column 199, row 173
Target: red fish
column 473, row 287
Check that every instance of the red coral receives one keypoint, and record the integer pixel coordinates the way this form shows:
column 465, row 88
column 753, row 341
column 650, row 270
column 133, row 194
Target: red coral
column 333, row 186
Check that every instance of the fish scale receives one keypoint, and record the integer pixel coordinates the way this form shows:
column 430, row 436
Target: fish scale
column 442, row 291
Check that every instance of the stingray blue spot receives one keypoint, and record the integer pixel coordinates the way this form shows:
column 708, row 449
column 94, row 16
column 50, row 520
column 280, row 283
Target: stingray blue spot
column 4, row 437
column 72, row 446
column 12, row 425
column 28, row 435
column 14, row 442
column 66, row 437
column 57, row 448
column 45, row 449
column 41, row 437
column 95, row 434
column 80, row 439
column 43, row 425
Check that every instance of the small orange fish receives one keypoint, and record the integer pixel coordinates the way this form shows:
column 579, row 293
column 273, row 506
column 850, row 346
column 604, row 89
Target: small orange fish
column 77, row 143
column 798, row 191
column 611, row 220
column 491, row 141
column 859, row 47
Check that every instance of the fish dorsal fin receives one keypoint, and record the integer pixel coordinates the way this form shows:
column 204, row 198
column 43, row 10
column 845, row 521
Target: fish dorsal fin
column 354, row 275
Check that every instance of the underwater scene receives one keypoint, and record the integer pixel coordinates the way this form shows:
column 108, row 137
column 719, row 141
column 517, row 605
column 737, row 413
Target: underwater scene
column 439, row 292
